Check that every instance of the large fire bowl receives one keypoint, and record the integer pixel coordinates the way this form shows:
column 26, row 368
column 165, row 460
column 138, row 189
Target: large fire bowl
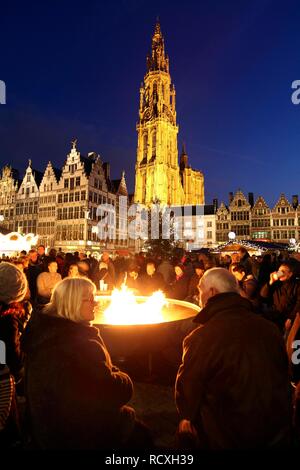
column 163, row 331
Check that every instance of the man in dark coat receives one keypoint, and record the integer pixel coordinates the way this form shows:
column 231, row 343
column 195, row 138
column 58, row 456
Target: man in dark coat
column 34, row 269
column 105, row 258
column 151, row 281
column 245, row 260
column 232, row 388
column 193, row 292
column 283, row 294
column 133, row 279
column 43, row 259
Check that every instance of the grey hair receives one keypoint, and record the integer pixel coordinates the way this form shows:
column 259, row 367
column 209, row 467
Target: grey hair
column 67, row 297
column 219, row 279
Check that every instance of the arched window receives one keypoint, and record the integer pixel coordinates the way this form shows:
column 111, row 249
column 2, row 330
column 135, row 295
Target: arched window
column 145, row 145
column 154, row 93
column 169, row 154
column 143, row 186
column 153, row 146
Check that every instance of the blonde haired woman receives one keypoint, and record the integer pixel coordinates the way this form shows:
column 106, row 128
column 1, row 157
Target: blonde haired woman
column 76, row 396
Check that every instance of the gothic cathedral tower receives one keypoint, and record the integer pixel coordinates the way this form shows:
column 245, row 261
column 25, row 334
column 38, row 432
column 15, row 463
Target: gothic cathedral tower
column 158, row 176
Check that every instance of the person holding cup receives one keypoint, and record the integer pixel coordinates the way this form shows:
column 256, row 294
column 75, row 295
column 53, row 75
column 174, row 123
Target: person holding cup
column 104, row 278
column 282, row 293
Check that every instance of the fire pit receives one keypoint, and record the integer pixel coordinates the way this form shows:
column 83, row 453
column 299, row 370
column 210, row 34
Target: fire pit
column 132, row 324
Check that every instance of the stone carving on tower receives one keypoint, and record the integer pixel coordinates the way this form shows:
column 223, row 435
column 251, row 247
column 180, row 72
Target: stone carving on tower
column 158, row 176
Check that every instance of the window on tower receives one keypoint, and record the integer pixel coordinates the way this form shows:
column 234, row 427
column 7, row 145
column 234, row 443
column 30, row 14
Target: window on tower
column 154, row 92
column 153, row 144
column 145, row 146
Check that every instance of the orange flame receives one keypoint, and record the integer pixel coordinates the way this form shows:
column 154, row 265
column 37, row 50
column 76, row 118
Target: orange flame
column 125, row 310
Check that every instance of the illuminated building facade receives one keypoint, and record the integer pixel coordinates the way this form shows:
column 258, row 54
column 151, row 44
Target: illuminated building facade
column 83, row 186
column 256, row 220
column 60, row 206
column 261, row 220
column 284, row 220
column 9, row 185
column 27, row 201
column 47, row 206
column 158, row 176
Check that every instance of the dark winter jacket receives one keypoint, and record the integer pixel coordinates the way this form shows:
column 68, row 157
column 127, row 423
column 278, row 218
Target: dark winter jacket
column 135, row 284
column 75, row 395
column 249, row 290
column 179, row 288
column 12, row 319
column 193, row 290
column 284, row 297
column 106, row 276
column 150, row 284
column 32, row 272
column 166, row 269
column 245, row 261
column 233, row 383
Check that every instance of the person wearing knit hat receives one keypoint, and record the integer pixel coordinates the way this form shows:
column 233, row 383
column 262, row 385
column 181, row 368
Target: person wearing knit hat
column 13, row 288
column 13, row 284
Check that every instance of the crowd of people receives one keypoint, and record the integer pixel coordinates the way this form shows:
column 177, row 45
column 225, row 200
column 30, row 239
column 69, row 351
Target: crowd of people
column 238, row 385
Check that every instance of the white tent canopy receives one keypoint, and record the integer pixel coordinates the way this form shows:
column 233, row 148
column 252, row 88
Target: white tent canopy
column 13, row 242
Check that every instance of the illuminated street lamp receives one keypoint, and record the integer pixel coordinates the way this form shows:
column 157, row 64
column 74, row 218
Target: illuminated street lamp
column 231, row 236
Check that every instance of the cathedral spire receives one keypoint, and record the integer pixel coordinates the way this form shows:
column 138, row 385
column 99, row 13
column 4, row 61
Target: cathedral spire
column 183, row 158
column 158, row 173
column 158, row 60
column 157, row 32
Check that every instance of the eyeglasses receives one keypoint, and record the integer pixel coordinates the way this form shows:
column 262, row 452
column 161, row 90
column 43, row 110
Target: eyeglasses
column 91, row 300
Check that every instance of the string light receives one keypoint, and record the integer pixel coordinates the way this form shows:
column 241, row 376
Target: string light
column 252, row 245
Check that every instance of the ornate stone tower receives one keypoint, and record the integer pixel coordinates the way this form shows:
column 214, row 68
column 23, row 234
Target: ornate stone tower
column 157, row 173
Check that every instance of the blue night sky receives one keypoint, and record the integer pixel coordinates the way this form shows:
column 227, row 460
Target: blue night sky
column 73, row 69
